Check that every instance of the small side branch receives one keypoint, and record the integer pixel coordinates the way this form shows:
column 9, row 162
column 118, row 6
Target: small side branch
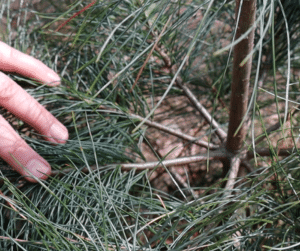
column 220, row 154
column 213, row 155
column 171, row 131
column 264, row 152
column 219, row 131
column 176, row 133
column 233, row 173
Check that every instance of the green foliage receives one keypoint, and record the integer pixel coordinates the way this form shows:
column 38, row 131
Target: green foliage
column 98, row 54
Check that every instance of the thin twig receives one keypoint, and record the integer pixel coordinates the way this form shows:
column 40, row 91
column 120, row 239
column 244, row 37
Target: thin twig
column 219, row 131
column 76, row 14
column 20, row 240
column 233, row 173
column 179, row 179
column 156, row 125
column 168, row 65
column 165, row 57
column 176, row 133
column 263, row 152
column 219, row 154
column 272, row 128
column 213, row 155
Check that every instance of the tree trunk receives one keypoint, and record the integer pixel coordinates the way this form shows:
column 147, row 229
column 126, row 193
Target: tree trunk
column 240, row 79
column 240, row 76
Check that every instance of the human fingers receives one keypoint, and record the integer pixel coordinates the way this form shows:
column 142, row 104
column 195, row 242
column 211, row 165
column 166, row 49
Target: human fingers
column 20, row 103
column 15, row 151
column 12, row 60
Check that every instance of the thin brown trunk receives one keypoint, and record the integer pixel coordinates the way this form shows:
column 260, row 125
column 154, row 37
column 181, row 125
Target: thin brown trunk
column 240, row 82
column 241, row 76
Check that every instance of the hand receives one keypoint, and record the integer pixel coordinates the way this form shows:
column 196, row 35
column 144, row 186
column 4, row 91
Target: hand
column 20, row 103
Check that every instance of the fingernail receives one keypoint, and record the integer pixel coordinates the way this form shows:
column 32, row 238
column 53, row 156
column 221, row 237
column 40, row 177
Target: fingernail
column 54, row 79
column 38, row 168
column 59, row 133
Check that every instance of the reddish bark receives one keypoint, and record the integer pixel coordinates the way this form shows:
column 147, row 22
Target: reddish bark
column 240, row 76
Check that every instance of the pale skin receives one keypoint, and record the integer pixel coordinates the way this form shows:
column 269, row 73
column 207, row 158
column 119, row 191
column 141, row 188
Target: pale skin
column 16, row 100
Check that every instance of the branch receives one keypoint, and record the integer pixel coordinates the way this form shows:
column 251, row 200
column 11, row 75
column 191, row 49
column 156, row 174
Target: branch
column 219, row 131
column 233, row 173
column 176, row 133
column 171, row 131
column 213, row 155
column 264, row 152
column 220, row 154
column 76, row 14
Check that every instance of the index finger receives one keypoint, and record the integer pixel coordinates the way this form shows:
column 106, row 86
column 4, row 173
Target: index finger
column 12, row 60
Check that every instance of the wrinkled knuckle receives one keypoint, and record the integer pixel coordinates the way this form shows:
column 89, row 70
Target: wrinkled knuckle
column 5, row 87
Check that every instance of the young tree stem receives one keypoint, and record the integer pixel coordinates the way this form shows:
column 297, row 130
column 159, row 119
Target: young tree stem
column 240, row 76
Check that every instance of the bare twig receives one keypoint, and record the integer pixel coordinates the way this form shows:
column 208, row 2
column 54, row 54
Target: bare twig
column 219, row 131
column 219, row 154
column 176, row 133
column 263, row 152
column 213, row 155
column 20, row 240
column 221, row 134
column 165, row 57
column 179, row 179
column 233, row 172
column 215, row 91
column 73, row 16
